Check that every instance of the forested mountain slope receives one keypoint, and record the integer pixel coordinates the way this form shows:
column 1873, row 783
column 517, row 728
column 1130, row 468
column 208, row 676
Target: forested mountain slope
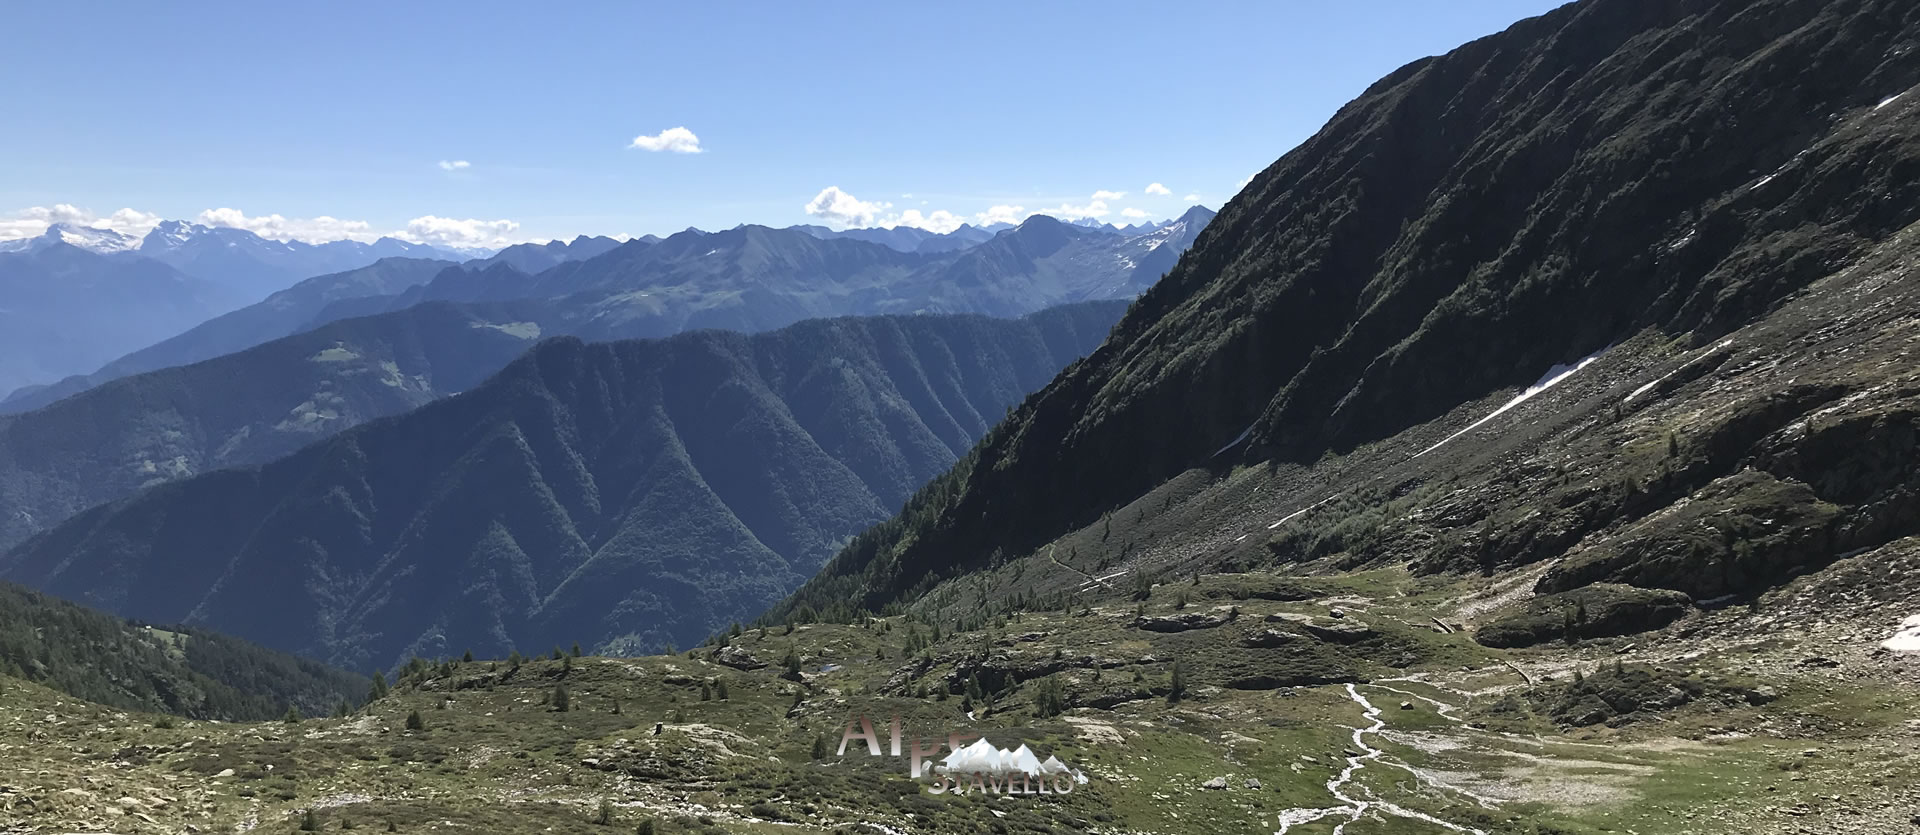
column 191, row 672
column 621, row 495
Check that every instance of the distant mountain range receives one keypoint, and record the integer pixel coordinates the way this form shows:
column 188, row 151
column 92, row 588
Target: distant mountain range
column 908, row 238
column 748, row 278
column 256, row 267
column 187, row 408
column 65, row 309
column 244, row 408
column 623, row 495
column 533, row 258
column 289, row 311
column 74, row 297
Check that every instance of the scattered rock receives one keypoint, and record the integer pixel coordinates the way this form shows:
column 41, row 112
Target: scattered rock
column 1184, row 621
column 1252, row 783
column 1343, row 632
column 738, row 659
column 1267, row 638
column 1406, row 705
column 1216, row 784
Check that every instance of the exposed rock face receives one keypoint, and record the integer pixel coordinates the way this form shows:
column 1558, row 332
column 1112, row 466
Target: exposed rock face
column 738, row 659
column 1267, row 638
column 1601, row 610
column 1183, row 621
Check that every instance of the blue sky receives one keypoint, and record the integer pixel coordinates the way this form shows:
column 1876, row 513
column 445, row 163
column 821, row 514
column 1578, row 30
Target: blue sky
column 335, row 117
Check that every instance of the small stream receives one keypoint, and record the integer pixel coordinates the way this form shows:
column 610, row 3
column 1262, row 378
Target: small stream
column 1354, row 808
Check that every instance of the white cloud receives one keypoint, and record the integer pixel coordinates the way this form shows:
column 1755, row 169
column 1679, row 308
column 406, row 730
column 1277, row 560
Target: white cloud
column 454, row 165
column 1156, row 188
column 34, row 220
column 940, row 221
column 466, row 233
column 1095, row 208
column 678, row 140
column 1103, row 195
column 1001, row 214
column 1136, row 213
column 1191, row 198
column 842, row 209
column 280, row 228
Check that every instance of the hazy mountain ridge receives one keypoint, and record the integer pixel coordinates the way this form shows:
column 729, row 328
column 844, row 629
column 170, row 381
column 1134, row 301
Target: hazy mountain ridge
column 622, row 494
column 65, row 310
column 241, row 409
column 287, row 312
column 255, row 266
column 747, row 278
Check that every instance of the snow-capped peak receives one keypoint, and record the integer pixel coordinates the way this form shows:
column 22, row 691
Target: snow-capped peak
column 84, row 237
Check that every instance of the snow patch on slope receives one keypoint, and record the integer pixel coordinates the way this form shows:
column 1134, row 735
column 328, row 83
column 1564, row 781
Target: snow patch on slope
column 1552, row 378
column 1907, row 639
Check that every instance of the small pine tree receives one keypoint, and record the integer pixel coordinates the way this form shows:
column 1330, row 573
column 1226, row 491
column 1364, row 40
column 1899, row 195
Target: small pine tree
column 379, row 689
column 562, row 700
column 414, row 722
column 346, row 823
column 679, row 716
column 791, row 662
column 310, row 823
column 646, row 827
column 706, row 692
column 576, row 649
column 1177, row 689
column 605, row 816
column 514, row 660
column 293, row 715
column 821, row 748
column 467, row 657
column 391, row 827
column 720, row 690
column 616, row 707
column 557, row 654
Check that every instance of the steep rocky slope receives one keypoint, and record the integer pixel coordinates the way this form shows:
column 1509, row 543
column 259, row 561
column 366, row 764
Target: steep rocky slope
column 1610, row 171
